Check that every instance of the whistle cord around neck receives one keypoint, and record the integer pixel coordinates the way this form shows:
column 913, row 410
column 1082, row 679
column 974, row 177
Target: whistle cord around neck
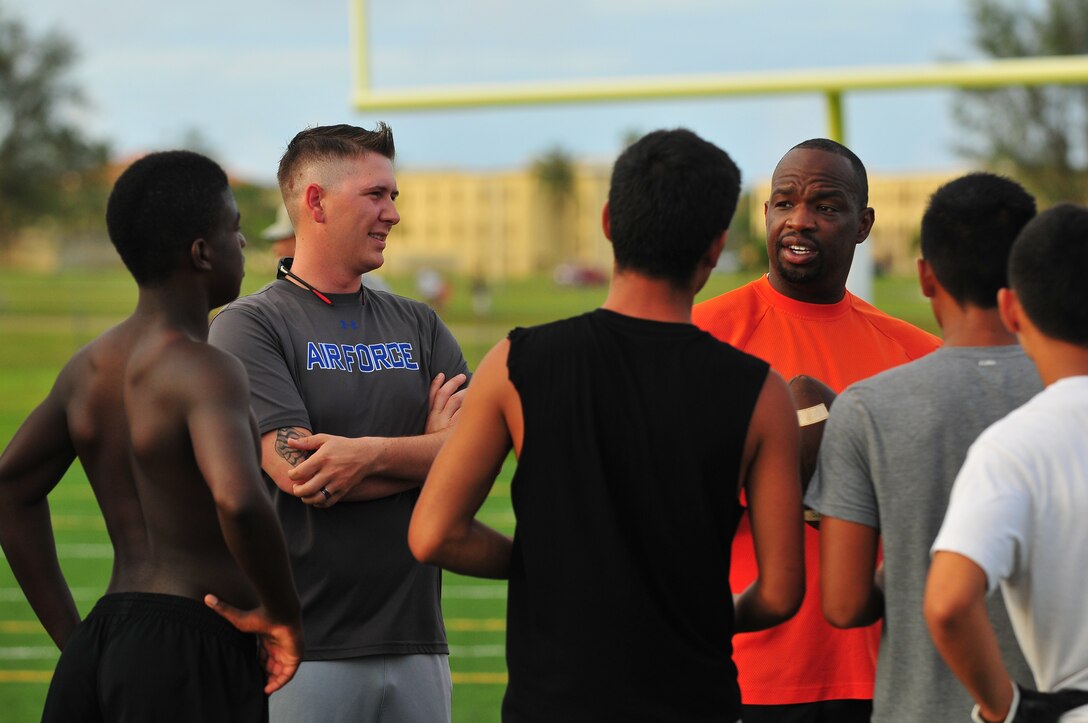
column 305, row 284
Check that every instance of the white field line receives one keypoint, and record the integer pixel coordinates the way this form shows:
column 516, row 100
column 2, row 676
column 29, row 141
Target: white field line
column 14, row 594
column 474, row 592
column 43, row 652
column 105, row 551
column 477, row 651
column 86, row 551
column 456, row 592
column 29, row 653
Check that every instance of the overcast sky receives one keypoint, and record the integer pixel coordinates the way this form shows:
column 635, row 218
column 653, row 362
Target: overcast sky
column 246, row 75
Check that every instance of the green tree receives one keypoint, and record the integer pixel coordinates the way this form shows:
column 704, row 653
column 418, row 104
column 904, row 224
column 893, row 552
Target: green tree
column 44, row 156
column 258, row 206
column 555, row 174
column 1039, row 134
column 750, row 248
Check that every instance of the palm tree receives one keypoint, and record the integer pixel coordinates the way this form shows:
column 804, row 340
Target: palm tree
column 555, row 173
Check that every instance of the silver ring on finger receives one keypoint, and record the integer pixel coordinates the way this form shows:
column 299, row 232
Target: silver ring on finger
column 325, row 491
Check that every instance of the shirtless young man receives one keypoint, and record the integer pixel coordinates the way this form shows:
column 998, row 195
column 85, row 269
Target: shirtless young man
column 160, row 421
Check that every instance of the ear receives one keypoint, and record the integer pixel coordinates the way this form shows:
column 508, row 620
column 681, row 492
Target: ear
column 1008, row 305
column 865, row 223
column 927, row 279
column 606, row 222
column 313, row 199
column 200, row 255
column 766, row 205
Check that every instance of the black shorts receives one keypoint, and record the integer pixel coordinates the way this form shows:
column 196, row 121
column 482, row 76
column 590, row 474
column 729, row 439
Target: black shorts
column 149, row 657
column 824, row 711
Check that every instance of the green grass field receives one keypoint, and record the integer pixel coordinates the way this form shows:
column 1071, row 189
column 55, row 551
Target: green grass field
column 44, row 318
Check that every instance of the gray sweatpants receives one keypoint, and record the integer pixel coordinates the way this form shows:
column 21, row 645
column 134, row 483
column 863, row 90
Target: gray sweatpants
column 374, row 689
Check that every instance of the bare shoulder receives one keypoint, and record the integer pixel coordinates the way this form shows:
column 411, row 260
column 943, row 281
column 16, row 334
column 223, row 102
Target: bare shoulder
column 89, row 382
column 104, row 355
column 492, row 379
column 101, row 361
column 493, row 396
column 222, row 367
column 194, row 370
column 494, row 362
column 775, row 400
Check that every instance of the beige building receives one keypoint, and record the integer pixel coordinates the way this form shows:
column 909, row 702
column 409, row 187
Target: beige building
column 498, row 224
column 505, row 224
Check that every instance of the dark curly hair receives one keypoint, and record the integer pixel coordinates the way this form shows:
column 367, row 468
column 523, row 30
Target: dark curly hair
column 159, row 206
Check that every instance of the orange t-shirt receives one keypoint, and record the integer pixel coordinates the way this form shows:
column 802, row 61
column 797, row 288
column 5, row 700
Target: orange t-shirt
column 805, row 659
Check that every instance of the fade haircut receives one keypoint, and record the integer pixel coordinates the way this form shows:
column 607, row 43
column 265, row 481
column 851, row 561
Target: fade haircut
column 861, row 178
column 967, row 231
column 331, row 143
column 672, row 194
column 159, row 206
column 1046, row 276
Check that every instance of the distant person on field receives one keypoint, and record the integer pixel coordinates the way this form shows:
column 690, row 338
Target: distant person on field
column 481, row 296
column 281, row 234
column 635, row 433
column 161, row 423
column 433, row 288
column 894, row 443
column 1017, row 513
column 802, row 320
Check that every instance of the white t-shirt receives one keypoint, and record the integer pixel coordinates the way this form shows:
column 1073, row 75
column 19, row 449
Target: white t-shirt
column 1019, row 510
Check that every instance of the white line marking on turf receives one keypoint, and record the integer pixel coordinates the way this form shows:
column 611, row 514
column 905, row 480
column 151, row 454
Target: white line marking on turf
column 31, row 653
column 475, row 592
column 478, row 651
column 50, row 653
column 14, row 594
column 86, row 551
column 458, row 592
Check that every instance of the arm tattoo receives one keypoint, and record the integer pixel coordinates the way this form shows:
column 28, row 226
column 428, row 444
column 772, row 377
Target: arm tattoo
column 294, row 457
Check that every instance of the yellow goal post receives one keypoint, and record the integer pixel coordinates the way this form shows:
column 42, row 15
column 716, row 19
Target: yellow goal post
column 831, row 83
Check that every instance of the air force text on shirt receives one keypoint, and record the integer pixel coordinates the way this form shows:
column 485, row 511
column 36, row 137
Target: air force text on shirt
column 365, row 358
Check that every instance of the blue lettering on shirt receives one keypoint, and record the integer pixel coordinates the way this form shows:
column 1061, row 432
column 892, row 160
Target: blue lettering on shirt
column 380, row 356
column 395, row 357
column 332, row 353
column 366, row 362
column 314, row 357
column 406, row 351
column 365, row 358
column 349, row 354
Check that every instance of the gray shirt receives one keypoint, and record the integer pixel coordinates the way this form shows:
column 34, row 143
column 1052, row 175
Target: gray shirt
column 361, row 366
column 890, row 452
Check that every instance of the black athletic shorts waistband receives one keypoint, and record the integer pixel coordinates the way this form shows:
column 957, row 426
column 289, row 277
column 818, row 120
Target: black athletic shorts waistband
column 182, row 609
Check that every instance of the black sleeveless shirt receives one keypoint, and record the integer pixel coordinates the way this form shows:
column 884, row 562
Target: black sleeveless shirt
column 626, row 503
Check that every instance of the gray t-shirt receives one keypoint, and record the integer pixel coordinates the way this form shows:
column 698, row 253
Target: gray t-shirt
column 890, row 452
column 352, row 369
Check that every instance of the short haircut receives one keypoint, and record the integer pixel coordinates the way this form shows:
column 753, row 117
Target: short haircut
column 967, row 231
column 861, row 178
column 159, row 206
column 331, row 143
column 672, row 194
column 1044, row 270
